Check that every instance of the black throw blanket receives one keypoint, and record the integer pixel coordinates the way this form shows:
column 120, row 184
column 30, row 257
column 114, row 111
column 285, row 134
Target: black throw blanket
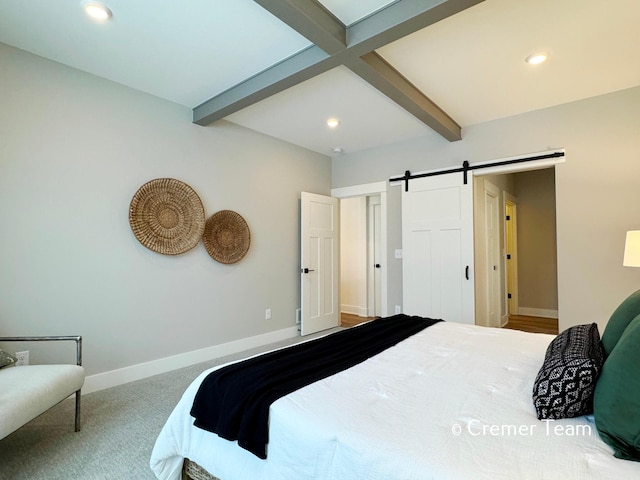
column 234, row 401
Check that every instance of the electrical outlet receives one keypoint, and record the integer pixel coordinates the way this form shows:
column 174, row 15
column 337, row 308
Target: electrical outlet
column 267, row 314
column 23, row 358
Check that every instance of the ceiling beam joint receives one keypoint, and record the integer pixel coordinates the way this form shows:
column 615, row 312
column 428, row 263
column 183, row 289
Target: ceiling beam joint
column 311, row 20
column 334, row 44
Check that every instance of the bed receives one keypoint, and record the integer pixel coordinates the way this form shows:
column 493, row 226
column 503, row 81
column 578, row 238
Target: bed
column 452, row 402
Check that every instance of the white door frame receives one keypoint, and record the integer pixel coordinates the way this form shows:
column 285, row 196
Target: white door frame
column 511, row 265
column 377, row 188
column 492, row 264
column 374, row 256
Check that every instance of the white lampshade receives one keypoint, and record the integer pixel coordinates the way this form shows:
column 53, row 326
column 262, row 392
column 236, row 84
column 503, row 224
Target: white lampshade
column 632, row 249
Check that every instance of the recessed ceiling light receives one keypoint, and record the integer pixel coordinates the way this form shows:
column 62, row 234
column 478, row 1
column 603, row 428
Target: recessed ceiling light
column 536, row 58
column 98, row 11
column 333, row 122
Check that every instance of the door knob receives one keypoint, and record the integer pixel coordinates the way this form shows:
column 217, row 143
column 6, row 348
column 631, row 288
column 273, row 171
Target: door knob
column 377, row 265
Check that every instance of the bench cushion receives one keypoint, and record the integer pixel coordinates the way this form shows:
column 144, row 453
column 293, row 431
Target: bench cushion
column 28, row 391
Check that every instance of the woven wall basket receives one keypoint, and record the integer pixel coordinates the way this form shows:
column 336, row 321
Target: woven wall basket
column 226, row 236
column 167, row 216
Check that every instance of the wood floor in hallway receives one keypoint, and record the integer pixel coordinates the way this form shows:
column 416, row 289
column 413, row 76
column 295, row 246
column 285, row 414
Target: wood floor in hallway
column 349, row 319
column 533, row 324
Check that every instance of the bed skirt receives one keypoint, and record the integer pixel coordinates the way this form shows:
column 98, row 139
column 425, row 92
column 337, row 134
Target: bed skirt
column 192, row 471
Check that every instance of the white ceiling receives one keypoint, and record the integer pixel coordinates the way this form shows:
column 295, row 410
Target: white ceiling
column 471, row 65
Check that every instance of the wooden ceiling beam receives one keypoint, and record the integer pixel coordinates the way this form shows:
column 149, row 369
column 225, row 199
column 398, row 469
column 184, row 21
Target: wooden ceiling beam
column 377, row 72
column 292, row 71
column 353, row 47
column 311, row 20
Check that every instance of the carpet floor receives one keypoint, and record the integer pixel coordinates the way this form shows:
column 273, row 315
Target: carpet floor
column 119, row 429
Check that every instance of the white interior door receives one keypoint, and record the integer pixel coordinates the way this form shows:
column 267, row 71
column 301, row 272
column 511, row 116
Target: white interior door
column 437, row 244
column 319, row 262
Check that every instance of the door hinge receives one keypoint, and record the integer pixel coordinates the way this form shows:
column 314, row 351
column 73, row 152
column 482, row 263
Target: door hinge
column 508, row 256
column 508, row 295
column 508, row 217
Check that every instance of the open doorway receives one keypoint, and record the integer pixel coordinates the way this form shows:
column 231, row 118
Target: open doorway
column 360, row 259
column 362, row 252
column 516, row 258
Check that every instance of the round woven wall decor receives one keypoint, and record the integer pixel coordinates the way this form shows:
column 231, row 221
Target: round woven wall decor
column 167, row 216
column 226, row 236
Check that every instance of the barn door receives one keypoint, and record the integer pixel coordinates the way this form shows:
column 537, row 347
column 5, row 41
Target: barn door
column 437, row 243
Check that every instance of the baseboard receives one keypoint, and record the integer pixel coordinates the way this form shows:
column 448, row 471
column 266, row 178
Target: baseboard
column 537, row 312
column 354, row 310
column 113, row 378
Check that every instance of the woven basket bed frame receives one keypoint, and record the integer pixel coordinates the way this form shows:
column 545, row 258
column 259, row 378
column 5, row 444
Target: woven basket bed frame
column 192, row 471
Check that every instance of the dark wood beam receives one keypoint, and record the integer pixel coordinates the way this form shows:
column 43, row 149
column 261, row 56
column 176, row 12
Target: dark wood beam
column 334, row 45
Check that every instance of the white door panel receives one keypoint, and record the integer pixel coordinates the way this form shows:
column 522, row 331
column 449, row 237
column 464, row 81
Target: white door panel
column 437, row 236
column 319, row 232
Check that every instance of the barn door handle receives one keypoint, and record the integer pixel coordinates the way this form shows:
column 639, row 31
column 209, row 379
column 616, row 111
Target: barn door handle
column 466, row 272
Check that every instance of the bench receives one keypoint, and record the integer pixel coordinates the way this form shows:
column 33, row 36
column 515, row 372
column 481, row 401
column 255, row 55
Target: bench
column 30, row 390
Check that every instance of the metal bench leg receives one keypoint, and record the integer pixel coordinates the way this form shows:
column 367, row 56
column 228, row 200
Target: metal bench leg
column 77, row 429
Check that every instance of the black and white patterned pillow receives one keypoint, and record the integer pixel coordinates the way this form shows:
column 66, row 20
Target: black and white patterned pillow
column 566, row 382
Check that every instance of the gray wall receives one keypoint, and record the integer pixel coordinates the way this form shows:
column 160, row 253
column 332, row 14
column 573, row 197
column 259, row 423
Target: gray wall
column 73, row 150
column 537, row 264
column 596, row 189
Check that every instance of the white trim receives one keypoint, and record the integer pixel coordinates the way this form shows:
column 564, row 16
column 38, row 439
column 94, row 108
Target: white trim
column 377, row 188
column 489, row 189
column 354, row 310
column 509, row 198
column 372, row 293
column 519, row 167
column 359, row 190
column 120, row 376
column 538, row 312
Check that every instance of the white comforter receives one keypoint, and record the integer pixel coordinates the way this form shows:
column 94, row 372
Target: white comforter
column 450, row 403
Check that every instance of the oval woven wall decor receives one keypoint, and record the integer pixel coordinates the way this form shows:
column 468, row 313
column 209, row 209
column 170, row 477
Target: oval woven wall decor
column 167, row 216
column 226, row 236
